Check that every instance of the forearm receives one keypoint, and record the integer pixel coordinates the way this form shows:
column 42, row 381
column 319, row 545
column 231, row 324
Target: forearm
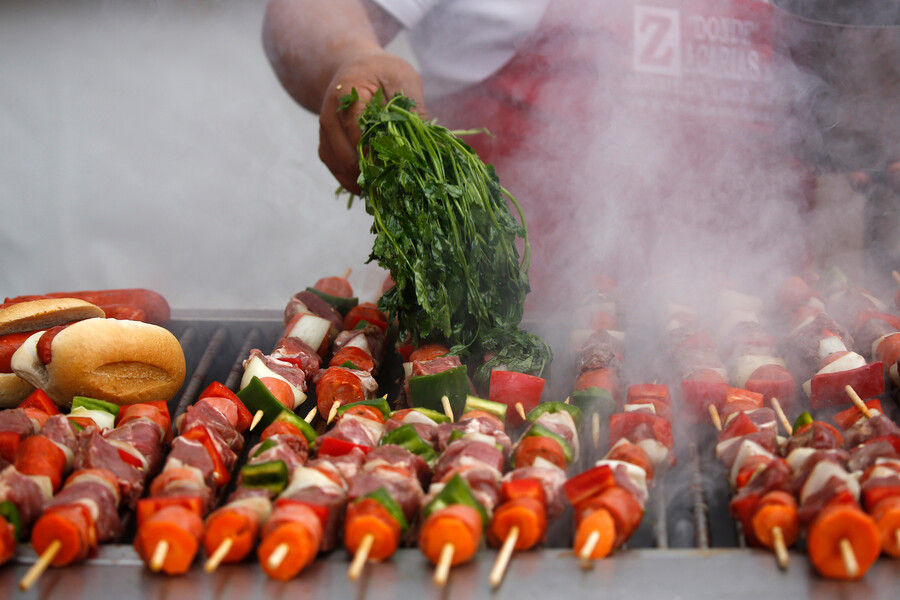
column 308, row 40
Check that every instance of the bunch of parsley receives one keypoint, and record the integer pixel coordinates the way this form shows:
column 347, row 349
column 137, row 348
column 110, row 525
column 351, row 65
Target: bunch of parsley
column 445, row 231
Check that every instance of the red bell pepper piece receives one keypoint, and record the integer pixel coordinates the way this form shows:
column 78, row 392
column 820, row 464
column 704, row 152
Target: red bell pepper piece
column 623, row 424
column 329, row 446
column 649, row 391
column 773, row 381
column 739, row 426
column 698, row 393
column 846, row 418
column 9, row 445
column 510, row 388
column 699, row 341
column 865, row 315
column 200, row 433
column 523, row 488
column 828, row 389
column 147, row 507
column 40, row 400
column 319, row 510
column 588, row 483
column 217, row 390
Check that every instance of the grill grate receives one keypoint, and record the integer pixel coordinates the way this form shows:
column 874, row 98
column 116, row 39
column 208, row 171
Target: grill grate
column 676, row 551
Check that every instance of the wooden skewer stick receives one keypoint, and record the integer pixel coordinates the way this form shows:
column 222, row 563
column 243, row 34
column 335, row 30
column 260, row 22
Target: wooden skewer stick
column 781, row 553
column 333, row 412
column 278, row 556
column 257, row 417
column 219, row 555
column 858, row 401
column 311, row 414
column 776, row 405
column 347, row 273
column 897, row 536
column 159, row 556
column 448, row 410
column 360, row 557
column 38, row 568
column 566, row 401
column 442, row 573
column 849, row 558
column 588, row 549
column 499, row 570
column 896, row 276
column 521, row 411
column 714, row 415
column 595, row 429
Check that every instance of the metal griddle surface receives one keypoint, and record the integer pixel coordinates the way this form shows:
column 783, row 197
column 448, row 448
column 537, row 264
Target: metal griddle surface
column 686, row 547
column 540, row 574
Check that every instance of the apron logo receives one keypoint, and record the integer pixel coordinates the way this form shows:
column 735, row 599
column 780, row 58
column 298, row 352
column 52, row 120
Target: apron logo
column 657, row 41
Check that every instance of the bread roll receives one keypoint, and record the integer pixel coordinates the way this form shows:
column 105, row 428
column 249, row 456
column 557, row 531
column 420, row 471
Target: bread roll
column 46, row 313
column 124, row 362
column 36, row 315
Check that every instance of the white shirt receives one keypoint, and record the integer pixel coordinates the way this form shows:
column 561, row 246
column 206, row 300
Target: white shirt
column 462, row 42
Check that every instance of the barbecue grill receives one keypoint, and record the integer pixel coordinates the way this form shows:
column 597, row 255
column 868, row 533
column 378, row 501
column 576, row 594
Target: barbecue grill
column 686, row 547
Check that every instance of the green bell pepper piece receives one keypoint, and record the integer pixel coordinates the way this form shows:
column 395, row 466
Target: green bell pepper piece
column 266, row 445
column 595, row 400
column 380, row 403
column 407, row 437
column 305, row 428
column 392, row 506
column 94, row 404
column 427, row 390
column 257, row 397
column 540, row 430
column 340, row 303
column 270, row 475
column 10, row 513
column 554, row 407
column 804, row 419
column 498, row 409
column 457, row 491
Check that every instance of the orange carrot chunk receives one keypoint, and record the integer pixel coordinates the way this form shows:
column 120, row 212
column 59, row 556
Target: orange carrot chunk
column 369, row 517
column 302, row 546
column 458, row 525
column 527, row 514
column 599, row 521
column 835, row 523
column 72, row 526
column 782, row 512
column 240, row 524
column 181, row 528
column 887, row 517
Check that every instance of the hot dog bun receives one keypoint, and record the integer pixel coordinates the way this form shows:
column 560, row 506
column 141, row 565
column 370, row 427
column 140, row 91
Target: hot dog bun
column 45, row 313
column 123, row 362
column 30, row 316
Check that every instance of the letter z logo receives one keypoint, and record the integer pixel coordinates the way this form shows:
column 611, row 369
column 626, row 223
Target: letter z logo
column 657, row 41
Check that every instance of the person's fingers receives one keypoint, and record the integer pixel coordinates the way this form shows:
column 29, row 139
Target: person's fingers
column 342, row 164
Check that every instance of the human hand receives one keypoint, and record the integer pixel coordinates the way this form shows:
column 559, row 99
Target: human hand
column 339, row 130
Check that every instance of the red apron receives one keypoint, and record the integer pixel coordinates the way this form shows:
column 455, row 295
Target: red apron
column 555, row 110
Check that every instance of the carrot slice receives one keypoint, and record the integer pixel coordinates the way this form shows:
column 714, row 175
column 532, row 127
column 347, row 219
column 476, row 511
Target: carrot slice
column 181, row 528
column 770, row 516
column 525, row 513
column 302, row 547
column 387, row 537
column 601, row 522
column 458, row 525
column 240, row 524
column 838, row 522
column 71, row 526
column 887, row 517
